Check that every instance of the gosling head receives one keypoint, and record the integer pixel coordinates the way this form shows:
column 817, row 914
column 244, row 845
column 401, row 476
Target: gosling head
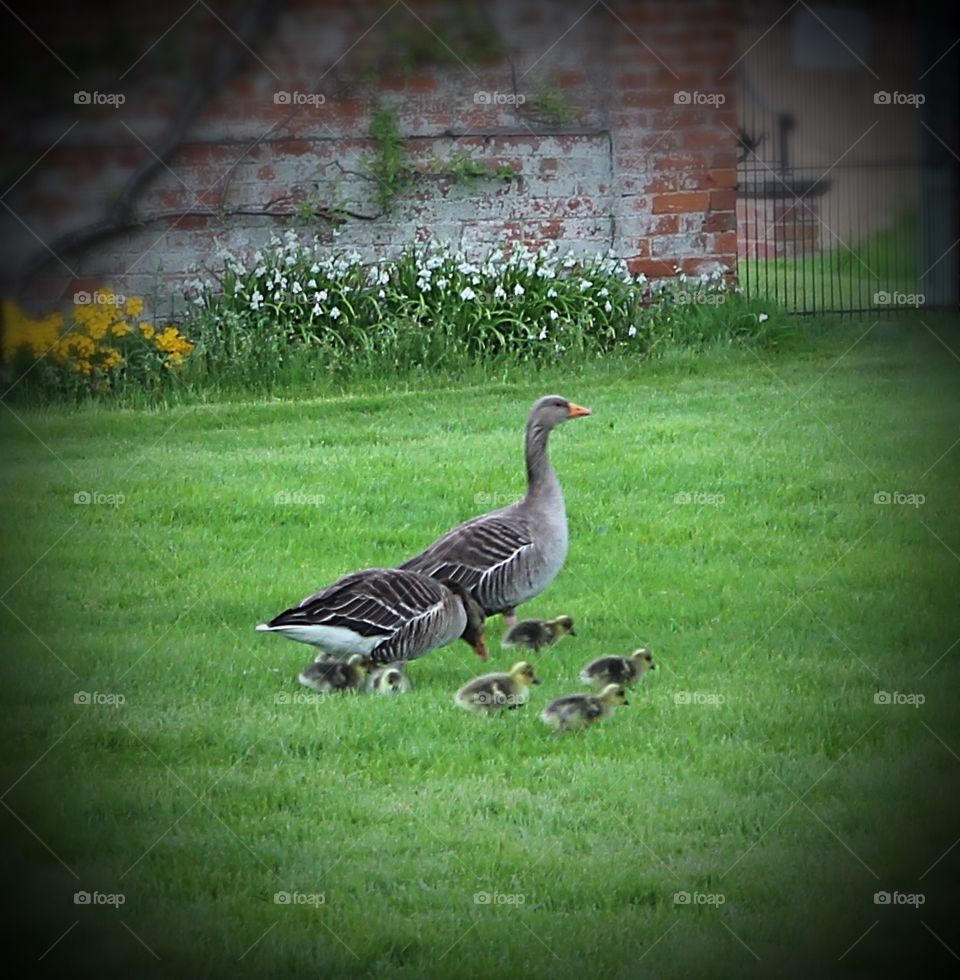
column 563, row 624
column 614, row 694
column 393, row 681
column 643, row 660
column 523, row 673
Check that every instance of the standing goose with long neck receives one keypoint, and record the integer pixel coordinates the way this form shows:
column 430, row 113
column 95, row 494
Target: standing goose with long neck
column 511, row 555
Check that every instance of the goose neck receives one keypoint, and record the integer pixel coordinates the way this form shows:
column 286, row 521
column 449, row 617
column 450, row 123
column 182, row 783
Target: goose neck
column 539, row 471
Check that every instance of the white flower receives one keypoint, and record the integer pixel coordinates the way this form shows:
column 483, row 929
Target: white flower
column 381, row 294
column 585, row 284
column 498, row 293
column 238, row 288
column 261, row 270
column 316, row 309
column 335, row 313
column 607, row 308
column 554, row 315
column 442, row 283
column 467, row 293
column 296, row 288
column 551, row 293
column 762, row 317
column 315, row 268
column 320, row 297
column 632, row 332
column 311, row 284
column 604, row 292
column 543, row 334
column 256, row 300
column 518, row 290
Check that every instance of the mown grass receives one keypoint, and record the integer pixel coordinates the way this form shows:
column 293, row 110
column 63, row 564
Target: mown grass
column 787, row 600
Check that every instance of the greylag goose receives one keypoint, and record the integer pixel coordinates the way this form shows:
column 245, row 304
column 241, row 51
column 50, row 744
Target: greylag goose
column 387, row 680
column 577, row 711
column 327, row 676
column 493, row 692
column 511, row 555
column 618, row 670
column 537, row 633
column 384, row 614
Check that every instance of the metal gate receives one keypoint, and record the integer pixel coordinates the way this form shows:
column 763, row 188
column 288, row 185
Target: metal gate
column 848, row 169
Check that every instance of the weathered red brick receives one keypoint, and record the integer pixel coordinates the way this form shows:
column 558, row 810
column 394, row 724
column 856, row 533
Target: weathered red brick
column 651, row 268
column 720, row 221
column 723, row 200
column 688, row 201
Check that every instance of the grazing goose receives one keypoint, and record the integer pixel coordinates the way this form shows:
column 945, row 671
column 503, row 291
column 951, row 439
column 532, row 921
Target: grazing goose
column 387, row 680
column 537, row 633
column 492, row 692
column 384, row 614
column 511, row 555
column 618, row 670
column 327, row 676
column 577, row 711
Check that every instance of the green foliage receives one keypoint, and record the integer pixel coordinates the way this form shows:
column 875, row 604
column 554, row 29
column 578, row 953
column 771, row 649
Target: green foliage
column 433, row 309
column 552, row 105
column 388, row 166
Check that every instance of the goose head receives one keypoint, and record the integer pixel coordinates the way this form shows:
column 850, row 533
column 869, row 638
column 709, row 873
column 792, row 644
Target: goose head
column 523, row 674
column 551, row 410
column 643, row 660
column 474, row 632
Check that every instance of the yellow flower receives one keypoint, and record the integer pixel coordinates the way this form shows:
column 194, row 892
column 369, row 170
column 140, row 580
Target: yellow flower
column 38, row 335
column 147, row 330
column 111, row 358
column 133, row 306
column 121, row 328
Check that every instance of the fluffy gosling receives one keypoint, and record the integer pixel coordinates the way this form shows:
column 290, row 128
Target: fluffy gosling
column 537, row 633
column 577, row 711
column 387, row 680
column 494, row 692
column 327, row 676
column 618, row 670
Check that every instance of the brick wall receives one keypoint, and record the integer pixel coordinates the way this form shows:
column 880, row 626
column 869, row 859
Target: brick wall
column 627, row 168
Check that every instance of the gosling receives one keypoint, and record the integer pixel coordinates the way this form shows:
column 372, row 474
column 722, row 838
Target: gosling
column 387, row 680
column 537, row 633
column 618, row 670
column 489, row 693
column 578, row 711
column 328, row 676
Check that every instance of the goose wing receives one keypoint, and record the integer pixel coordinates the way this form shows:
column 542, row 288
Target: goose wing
column 376, row 603
column 480, row 554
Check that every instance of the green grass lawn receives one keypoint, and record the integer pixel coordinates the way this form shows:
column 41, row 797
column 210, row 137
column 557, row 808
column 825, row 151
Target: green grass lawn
column 721, row 512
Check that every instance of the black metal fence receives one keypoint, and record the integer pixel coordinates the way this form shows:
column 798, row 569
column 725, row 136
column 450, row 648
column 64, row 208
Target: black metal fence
column 847, row 195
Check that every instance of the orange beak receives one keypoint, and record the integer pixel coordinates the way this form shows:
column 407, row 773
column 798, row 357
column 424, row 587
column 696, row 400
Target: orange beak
column 480, row 648
column 575, row 411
